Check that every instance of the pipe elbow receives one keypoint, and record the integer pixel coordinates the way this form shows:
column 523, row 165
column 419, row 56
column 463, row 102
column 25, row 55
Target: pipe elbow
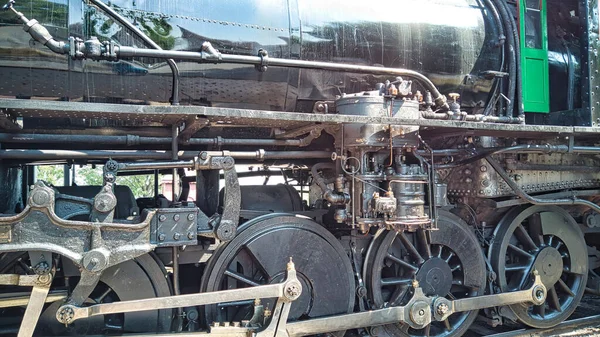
column 56, row 46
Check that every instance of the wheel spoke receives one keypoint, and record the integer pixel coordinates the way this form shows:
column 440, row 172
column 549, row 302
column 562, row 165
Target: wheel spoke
column 241, row 278
column 524, row 278
column 428, row 330
column 424, row 244
column 565, row 287
column 541, row 310
column 102, row 295
column 447, row 325
column 535, row 228
column 411, row 248
column 395, row 281
column 401, row 262
column 525, row 238
column 516, row 267
column 397, row 296
column 256, row 262
column 553, row 299
column 519, row 251
column 455, row 268
column 450, row 256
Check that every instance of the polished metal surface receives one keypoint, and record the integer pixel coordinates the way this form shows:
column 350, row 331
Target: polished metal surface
column 307, row 30
column 35, row 305
column 18, row 301
column 286, row 291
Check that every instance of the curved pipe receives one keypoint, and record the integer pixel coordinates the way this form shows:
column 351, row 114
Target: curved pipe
column 174, row 69
column 214, row 56
column 537, row 201
column 328, row 193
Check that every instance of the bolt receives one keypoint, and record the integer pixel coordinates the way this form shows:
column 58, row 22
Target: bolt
column 190, row 236
column 203, row 155
column 421, row 312
column 65, row 315
column 415, row 283
column 44, row 279
column 293, row 290
column 442, row 309
column 162, row 237
column 41, row 268
column 539, row 294
column 320, row 107
column 176, row 217
column 191, row 217
column 162, row 217
column 176, row 236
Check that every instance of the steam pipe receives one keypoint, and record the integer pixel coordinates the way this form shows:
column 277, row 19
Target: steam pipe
column 259, row 155
column 211, row 57
column 133, row 140
column 471, row 118
column 537, row 201
column 123, row 21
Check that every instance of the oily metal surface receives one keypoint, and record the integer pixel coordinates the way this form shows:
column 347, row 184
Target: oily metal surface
column 248, row 117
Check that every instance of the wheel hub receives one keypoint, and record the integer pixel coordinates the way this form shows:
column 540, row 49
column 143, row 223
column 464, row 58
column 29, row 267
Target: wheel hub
column 549, row 265
column 435, row 277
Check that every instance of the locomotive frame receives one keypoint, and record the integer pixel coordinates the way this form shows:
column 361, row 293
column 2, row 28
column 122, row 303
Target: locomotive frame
column 411, row 236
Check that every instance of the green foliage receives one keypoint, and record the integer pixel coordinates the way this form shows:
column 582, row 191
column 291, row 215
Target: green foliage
column 52, row 174
column 155, row 26
column 141, row 185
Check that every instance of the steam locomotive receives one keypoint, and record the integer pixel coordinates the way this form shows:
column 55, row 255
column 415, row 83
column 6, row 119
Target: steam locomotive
column 438, row 162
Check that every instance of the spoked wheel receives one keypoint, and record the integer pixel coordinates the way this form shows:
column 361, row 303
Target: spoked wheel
column 258, row 256
column 140, row 278
column 546, row 239
column 449, row 264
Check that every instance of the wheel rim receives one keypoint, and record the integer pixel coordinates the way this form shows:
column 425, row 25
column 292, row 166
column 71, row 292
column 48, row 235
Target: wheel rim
column 449, row 264
column 140, row 278
column 258, row 255
column 546, row 239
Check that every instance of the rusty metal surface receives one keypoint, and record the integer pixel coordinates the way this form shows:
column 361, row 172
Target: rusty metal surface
column 259, row 118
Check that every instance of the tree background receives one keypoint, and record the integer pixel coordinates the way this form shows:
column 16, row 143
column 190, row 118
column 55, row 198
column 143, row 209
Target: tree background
column 141, row 185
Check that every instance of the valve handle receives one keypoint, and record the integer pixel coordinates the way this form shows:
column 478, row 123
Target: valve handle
column 9, row 5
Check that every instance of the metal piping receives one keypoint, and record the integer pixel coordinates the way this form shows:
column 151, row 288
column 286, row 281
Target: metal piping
column 471, row 118
column 537, row 201
column 96, row 50
column 174, row 69
column 259, row 155
column 211, row 57
column 134, row 140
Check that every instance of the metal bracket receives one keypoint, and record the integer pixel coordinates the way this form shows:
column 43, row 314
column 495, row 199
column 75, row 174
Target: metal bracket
column 94, row 246
column 226, row 228
column 192, row 125
column 287, row 291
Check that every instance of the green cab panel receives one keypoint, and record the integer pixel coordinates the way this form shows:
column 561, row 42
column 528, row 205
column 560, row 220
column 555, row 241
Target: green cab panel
column 534, row 55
